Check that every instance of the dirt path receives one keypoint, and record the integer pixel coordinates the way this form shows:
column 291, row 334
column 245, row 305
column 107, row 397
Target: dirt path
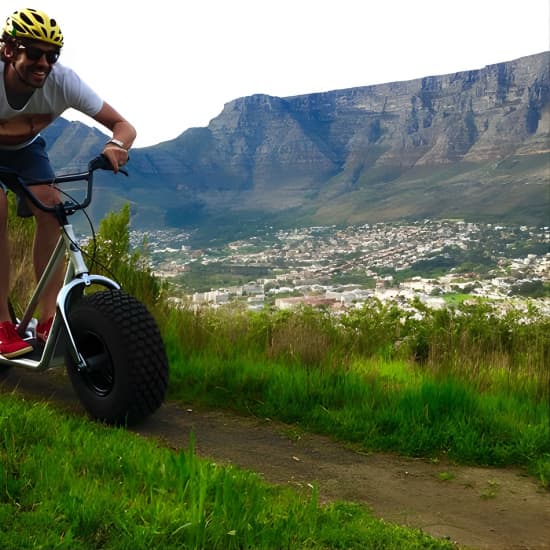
column 497, row 509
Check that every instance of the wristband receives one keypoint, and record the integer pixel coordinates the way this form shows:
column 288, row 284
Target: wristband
column 116, row 142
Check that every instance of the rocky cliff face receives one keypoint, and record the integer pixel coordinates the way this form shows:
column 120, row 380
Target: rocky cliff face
column 402, row 149
column 479, row 115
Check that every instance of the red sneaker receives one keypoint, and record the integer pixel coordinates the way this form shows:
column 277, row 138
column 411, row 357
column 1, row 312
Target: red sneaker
column 11, row 344
column 43, row 329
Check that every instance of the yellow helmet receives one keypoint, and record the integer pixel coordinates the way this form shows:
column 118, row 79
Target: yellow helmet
column 34, row 24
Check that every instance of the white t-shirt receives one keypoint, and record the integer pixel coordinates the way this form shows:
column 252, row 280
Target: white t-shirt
column 63, row 89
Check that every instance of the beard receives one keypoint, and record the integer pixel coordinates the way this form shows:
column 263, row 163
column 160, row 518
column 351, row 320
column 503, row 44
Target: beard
column 32, row 76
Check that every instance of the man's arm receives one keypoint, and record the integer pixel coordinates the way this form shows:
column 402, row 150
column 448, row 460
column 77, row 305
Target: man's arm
column 124, row 135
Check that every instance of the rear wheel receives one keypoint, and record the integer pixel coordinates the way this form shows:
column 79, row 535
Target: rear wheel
column 126, row 374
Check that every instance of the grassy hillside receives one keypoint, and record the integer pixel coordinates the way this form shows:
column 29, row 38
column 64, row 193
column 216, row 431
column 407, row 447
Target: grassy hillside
column 512, row 191
column 468, row 383
column 69, row 484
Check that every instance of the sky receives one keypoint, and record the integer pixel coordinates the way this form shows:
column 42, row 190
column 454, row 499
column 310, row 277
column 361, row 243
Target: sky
column 170, row 65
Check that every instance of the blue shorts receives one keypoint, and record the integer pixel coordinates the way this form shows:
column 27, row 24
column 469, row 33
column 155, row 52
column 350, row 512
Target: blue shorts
column 31, row 164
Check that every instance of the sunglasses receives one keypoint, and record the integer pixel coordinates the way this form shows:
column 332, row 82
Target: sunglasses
column 34, row 54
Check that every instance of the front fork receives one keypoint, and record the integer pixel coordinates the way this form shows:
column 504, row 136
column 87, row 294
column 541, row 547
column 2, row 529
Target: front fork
column 77, row 276
column 64, row 298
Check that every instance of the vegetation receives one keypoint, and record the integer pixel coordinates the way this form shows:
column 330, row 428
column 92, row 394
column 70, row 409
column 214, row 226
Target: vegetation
column 67, row 483
column 463, row 382
column 110, row 254
column 21, row 235
column 467, row 381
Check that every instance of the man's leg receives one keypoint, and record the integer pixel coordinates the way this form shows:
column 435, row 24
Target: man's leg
column 11, row 344
column 32, row 164
column 4, row 258
column 45, row 239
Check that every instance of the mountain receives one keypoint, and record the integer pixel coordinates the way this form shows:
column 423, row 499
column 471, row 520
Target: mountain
column 472, row 145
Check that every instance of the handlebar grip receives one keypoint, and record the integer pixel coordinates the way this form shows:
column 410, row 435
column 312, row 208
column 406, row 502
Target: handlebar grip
column 102, row 163
column 99, row 163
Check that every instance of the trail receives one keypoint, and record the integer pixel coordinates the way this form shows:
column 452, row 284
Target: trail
column 481, row 508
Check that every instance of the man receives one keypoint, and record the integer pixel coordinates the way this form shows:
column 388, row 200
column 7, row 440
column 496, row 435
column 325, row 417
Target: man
column 34, row 91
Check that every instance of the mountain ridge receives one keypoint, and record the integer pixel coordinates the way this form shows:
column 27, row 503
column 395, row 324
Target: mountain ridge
column 469, row 144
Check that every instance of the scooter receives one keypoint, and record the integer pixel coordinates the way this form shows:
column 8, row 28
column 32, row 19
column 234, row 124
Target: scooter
column 108, row 341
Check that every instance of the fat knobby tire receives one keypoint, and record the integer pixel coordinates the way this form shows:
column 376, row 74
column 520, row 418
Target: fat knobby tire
column 128, row 368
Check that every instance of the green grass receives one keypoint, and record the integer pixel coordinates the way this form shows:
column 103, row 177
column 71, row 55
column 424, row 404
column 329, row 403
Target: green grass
column 68, row 483
column 382, row 407
column 456, row 298
column 466, row 383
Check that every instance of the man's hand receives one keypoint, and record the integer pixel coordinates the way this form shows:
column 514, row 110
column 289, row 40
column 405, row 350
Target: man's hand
column 117, row 156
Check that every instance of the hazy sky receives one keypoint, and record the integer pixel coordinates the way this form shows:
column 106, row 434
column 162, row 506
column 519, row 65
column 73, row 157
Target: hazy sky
column 168, row 65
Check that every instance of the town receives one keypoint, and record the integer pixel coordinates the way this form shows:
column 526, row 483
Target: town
column 344, row 266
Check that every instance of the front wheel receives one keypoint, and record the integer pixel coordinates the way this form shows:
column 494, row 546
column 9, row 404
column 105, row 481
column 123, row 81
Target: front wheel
column 126, row 374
